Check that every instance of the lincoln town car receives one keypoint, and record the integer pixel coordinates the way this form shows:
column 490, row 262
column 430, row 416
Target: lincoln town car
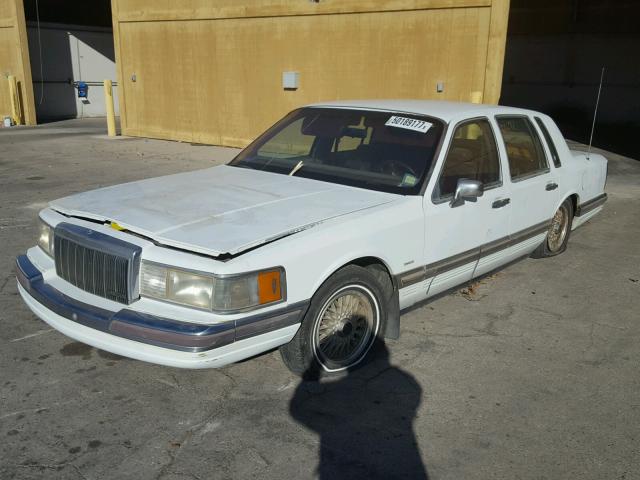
column 314, row 238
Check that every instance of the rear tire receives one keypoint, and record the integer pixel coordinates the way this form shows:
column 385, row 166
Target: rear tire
column 558, row 234
column 346, row 317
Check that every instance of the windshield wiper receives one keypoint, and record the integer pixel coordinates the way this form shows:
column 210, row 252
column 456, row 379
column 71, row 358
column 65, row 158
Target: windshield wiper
column 298, row 166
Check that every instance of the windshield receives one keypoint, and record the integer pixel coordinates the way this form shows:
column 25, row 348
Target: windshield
column 384, row 151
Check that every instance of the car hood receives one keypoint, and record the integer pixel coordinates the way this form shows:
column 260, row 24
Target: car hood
column 220, row 210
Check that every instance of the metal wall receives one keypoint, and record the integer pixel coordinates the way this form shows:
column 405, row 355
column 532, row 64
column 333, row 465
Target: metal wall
column 210, row 71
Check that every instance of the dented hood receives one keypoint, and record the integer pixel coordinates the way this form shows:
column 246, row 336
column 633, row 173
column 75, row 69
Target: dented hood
column 220, row 210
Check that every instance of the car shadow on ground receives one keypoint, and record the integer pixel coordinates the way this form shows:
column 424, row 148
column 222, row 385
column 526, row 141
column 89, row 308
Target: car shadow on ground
column 364, row 420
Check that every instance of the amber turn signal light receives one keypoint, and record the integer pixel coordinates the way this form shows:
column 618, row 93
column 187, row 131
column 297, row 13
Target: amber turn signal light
column 269, row 288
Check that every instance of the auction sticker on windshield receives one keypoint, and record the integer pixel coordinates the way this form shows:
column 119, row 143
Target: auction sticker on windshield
column 409, row 124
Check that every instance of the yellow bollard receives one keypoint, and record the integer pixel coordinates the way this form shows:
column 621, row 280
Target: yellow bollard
column 16, row 113
column 111, row 115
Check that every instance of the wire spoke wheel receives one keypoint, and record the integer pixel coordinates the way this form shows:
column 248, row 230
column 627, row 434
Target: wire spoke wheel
column 345, row 328
column 558, row 229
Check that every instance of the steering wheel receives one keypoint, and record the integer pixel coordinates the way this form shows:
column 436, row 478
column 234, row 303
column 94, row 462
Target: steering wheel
column 397, row 168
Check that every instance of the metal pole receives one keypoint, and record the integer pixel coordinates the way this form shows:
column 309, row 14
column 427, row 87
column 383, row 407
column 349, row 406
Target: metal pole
column 111, row 115
column 595, row 113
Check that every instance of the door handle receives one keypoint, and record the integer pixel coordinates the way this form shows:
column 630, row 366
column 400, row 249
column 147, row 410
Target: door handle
column 503, row 202
column 551, row 186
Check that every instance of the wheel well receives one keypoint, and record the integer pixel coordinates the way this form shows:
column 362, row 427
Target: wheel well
column 574, row 203
column 382, row 273
column 377, row 267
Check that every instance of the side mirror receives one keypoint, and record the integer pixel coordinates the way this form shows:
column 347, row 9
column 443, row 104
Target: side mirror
column 467, row 190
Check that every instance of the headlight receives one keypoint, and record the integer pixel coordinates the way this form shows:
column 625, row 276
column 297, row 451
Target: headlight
column 45, row 237
column 224, row 294
column 189, row 289
column 249, row 290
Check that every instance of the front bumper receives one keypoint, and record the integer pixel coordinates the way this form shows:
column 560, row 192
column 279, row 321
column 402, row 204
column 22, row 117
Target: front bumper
column 152, row 338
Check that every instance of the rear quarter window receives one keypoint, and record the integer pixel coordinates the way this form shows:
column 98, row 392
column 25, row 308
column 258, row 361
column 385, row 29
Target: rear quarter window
column 552, row 148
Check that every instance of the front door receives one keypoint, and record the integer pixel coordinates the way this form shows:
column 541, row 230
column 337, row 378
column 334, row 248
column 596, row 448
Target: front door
column 456, row 234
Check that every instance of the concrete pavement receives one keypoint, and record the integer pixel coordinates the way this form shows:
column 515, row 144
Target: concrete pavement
column 531, row 373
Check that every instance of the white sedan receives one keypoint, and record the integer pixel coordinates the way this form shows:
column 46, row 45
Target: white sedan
column 313, row 238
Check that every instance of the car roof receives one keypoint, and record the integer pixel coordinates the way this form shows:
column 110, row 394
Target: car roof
column 443, row 110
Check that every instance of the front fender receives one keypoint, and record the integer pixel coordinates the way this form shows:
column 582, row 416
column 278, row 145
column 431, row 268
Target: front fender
column 393, row 234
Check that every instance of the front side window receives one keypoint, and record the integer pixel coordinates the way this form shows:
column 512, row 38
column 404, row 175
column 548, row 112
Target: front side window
column 524, row 149
column 473, row 155
column 382, row 151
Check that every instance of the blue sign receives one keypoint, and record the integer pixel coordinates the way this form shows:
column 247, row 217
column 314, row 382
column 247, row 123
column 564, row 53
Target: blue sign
column 83, row 89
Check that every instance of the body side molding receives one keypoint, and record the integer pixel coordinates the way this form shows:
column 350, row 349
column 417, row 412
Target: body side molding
column 431, row 270
column 592, row 204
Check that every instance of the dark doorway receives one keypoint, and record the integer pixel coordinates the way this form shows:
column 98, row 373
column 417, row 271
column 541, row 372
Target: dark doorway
column 69, row 42
column 554, row 56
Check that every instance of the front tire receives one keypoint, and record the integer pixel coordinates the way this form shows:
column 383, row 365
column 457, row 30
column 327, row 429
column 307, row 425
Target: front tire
column 346, row 316
column 558, row 234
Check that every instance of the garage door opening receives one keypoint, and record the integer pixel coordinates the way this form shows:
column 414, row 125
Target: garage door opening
column 70, row 46
column 554, row 57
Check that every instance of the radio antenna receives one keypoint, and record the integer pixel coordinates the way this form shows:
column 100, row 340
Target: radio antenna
column 595, row 113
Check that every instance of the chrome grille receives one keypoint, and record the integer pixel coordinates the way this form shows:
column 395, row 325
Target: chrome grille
column 97, row 263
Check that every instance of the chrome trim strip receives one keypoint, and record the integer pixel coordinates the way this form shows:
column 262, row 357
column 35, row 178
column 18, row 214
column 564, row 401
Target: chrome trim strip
column 495, row 246
column 268, row 322
column 150, row 329
column 431, row 270
column 532, row 231
column 419, row 274
column 527, row 176
column 511, row 240
column 592, row 204
column 450, row 263
column 412, row 276
column 172, row 334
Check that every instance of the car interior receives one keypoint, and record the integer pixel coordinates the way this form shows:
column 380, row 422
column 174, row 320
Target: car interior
column 473, row 155
column 366, row 144
column 523, row 146
column 348, row 147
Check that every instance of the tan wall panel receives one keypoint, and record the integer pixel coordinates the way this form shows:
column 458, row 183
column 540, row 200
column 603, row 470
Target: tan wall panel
column 14, row 59
column 8, row 64
column 7, row 13
column 152, row 10
column 495, row 51
column 117, row 48
column 219, row 81
column 9, row 61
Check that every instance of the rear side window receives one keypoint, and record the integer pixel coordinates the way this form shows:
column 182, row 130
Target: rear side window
column 473, row 154
column 552, row 147
column 524, row 149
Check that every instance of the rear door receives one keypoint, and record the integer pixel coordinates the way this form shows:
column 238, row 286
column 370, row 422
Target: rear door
column 533, row 186
column 455, row 235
